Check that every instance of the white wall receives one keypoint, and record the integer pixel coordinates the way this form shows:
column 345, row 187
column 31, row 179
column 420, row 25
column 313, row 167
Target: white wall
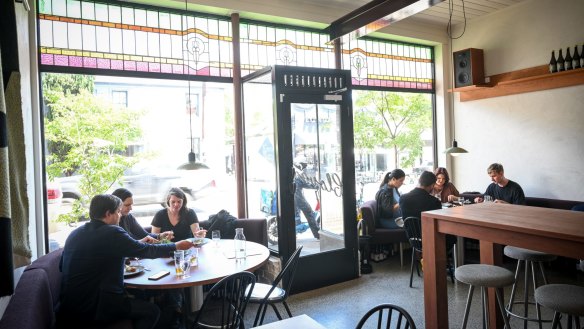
column 537, row 136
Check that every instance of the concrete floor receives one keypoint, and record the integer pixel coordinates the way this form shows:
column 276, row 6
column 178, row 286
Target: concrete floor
column 342, row 305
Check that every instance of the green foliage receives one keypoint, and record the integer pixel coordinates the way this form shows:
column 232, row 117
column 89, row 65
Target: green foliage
column 392, row 120
column 87, row 137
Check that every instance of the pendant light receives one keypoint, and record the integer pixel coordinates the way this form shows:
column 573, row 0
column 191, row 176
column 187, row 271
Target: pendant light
column 454, row 150
column 191, row 164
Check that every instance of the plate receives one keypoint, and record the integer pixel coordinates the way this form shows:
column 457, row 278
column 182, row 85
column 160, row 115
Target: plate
column 139, row 269
column 199, row 241
column 446, row 205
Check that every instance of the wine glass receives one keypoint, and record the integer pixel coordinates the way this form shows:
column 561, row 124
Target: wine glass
column 216, row 237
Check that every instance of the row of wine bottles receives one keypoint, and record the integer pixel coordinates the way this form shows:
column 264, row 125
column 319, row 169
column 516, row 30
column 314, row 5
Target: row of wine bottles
column 567, row 63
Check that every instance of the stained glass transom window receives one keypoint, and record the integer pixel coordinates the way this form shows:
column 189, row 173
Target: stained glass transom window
column 264, row 45
column 94, row 35
column 379, row 63
column 124, row 37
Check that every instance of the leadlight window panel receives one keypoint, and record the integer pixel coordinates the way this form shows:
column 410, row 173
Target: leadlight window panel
column 263, row 45
column 120, row 36
column 390, row 64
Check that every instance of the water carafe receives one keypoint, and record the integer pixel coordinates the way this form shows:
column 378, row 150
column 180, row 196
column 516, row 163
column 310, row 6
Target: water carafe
column 239, row 244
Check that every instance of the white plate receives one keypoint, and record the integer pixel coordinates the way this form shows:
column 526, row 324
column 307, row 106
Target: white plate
column 139, row 269
column 199, row 241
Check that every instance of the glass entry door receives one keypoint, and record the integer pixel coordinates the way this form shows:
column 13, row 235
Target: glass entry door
column 300, row 169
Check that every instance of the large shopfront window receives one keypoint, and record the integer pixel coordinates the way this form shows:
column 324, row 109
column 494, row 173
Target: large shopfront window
column 88, row 134
column 139, row 59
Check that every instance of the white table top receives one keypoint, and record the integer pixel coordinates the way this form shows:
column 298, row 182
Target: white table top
column 297, row 322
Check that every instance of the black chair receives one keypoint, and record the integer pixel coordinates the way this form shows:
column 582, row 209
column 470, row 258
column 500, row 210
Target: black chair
column 266, row 294
column 413, row 227
column 225, row 302
column 396, row 317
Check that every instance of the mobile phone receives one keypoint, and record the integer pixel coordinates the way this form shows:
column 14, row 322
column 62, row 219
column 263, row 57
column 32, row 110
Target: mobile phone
column 159, row 275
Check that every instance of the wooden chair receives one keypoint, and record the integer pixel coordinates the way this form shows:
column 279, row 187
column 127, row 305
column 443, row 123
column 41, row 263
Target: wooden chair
column 225, row 303
column 395, row 317
column 270, row 294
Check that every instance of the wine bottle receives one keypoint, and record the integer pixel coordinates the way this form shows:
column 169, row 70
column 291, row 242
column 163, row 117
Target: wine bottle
column 560, row 61
column 582, row 57
column 576, row 59
column 553, row 63
column 568, row 60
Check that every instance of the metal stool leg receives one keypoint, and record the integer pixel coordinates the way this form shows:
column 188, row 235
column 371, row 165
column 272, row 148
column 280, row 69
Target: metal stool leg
column 467, row 308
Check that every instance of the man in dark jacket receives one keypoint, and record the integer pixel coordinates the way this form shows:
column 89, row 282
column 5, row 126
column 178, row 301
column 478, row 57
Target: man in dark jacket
column 92, row 286
column 419, row 199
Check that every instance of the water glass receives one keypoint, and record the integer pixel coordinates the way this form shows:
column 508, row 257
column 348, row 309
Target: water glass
column 461, row 200
column 186, row 267
column 216, row 237
column 488, row 198
column 179, row 259
column 194, row 256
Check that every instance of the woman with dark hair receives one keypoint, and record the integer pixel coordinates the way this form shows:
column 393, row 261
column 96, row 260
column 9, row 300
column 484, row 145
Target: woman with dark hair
column 129, row 223
column 443, row 187
column 388, row 198
column 176, row 217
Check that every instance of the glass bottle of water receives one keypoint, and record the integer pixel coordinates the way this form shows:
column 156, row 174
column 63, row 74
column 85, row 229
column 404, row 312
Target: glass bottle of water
column 239, row 243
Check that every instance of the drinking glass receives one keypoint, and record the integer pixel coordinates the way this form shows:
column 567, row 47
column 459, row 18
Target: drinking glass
column 186, row 267
column 194, row 256
column 216, row 237
column 488, row 198
column 461, row 200
column 179, row 259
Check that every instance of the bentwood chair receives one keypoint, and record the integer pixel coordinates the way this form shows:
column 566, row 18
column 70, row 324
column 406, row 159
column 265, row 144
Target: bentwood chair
column 270, row 294
column 413, row 227
column 395, row 317
column 225, row 302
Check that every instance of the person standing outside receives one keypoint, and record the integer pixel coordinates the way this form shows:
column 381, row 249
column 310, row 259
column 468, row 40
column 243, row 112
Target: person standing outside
column 443, row 187
column 92, row 263
column 129, row 223
column 502, row 189
column 388, row 197
column 301, row 182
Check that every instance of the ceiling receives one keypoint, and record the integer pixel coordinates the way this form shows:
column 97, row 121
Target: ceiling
column 320, row 13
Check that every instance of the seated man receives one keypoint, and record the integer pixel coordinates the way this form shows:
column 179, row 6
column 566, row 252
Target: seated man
column 92, row 286
column 419, row 199
column 502, row 189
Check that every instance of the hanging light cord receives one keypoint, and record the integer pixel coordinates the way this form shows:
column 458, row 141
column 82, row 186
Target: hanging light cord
column 190, row 105
column 449, row 25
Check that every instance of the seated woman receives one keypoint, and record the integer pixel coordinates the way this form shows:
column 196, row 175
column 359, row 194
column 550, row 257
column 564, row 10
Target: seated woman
column 443, row 187
column 184, row 224
column 176, row 217
column 388, row 198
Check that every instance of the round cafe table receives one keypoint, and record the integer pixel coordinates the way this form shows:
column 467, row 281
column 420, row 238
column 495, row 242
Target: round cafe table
column 214, row 263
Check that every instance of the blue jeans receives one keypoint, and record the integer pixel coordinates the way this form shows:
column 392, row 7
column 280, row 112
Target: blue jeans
column 388, row 223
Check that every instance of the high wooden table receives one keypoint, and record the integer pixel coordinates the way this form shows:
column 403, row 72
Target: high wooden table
column 555, row 231
column 214, row 264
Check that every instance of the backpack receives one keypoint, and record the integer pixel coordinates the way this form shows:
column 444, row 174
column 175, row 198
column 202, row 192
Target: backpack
column 384, row 198
column 222, row 221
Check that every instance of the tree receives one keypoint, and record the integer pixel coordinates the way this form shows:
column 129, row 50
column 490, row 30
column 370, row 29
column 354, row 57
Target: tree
column 392, row 120
column 86, row 136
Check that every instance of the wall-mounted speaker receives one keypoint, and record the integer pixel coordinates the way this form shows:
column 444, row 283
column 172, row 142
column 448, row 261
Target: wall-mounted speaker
column 468, row 67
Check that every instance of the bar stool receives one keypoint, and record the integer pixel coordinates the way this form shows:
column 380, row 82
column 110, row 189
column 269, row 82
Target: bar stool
column 562, row 298
column 484, row 276
column 527, row 257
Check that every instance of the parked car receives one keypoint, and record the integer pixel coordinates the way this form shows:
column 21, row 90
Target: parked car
column 149, row 183
column 54, row 200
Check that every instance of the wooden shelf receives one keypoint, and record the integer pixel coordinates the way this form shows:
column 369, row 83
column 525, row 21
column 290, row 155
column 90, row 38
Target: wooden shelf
column 521, row 81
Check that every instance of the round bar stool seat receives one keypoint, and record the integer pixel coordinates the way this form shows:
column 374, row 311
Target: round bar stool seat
column 529, row 258
column 562, row 298
column 484, row 276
